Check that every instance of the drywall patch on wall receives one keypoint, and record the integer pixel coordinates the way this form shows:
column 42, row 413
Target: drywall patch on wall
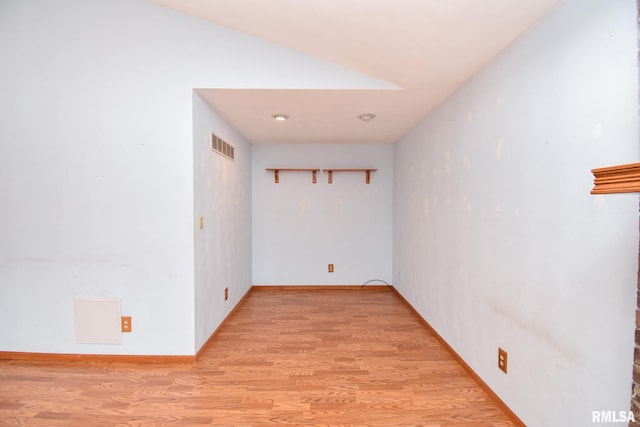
column 447, row 161
column 467, row 161
column 596, row 131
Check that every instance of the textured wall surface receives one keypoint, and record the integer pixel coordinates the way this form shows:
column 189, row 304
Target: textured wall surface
column 497, row 240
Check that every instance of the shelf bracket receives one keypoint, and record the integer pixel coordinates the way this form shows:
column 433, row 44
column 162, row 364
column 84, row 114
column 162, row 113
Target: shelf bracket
column 276, row 173
column 367, row 171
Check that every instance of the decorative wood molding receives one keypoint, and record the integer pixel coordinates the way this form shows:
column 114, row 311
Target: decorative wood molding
column 276, row 173
column 367, row 172
column 617, row 179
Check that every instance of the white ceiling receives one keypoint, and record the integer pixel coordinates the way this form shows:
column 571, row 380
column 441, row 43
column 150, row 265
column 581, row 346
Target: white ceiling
column 425, row 48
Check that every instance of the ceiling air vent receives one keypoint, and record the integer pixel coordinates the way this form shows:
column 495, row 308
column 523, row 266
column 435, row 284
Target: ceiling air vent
column 221, row 146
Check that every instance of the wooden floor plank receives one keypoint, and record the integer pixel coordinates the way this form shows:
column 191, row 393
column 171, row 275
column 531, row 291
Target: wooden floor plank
column 298, row 357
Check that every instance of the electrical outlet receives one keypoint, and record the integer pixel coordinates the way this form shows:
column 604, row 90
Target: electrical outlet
column 502, row 360
column 201, row 222
column 125, row 323
column 330, row 268
column 226, row 294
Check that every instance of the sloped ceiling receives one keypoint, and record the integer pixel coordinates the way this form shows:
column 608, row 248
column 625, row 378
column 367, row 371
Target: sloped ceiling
column 421, row 51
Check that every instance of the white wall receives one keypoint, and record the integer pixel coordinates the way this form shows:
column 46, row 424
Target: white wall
column 96, row 162
column 300, row 227
column 96, row 182
column 223, row 198
column 497, row 241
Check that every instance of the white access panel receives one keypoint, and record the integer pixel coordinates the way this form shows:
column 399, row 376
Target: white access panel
column 97, row 320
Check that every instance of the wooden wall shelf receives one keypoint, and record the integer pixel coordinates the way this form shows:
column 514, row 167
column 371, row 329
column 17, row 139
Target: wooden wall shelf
column 276, row 173
column 314, row 172
column 617, row 179
column 366, row 171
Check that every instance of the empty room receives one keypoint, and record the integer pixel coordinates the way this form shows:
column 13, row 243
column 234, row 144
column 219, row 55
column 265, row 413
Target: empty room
column 247, row 213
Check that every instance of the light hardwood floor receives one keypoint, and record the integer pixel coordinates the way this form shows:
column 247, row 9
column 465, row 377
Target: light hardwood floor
column 291, row 357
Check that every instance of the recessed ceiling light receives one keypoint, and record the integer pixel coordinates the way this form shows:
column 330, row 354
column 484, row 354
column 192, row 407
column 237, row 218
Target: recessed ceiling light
column 366, row 117
column 280, row 117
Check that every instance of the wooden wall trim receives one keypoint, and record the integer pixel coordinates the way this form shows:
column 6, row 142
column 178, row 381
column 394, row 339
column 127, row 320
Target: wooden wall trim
column 460, row 360
column 318, row 287
column 101, row 358
column 213, row 335
column 617, row 179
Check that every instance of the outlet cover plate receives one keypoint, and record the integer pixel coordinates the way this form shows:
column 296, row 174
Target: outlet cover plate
column 125, row 323
column 502, row 360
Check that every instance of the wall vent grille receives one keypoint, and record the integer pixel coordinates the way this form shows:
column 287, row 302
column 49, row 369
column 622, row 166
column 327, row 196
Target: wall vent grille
column 222, row 147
